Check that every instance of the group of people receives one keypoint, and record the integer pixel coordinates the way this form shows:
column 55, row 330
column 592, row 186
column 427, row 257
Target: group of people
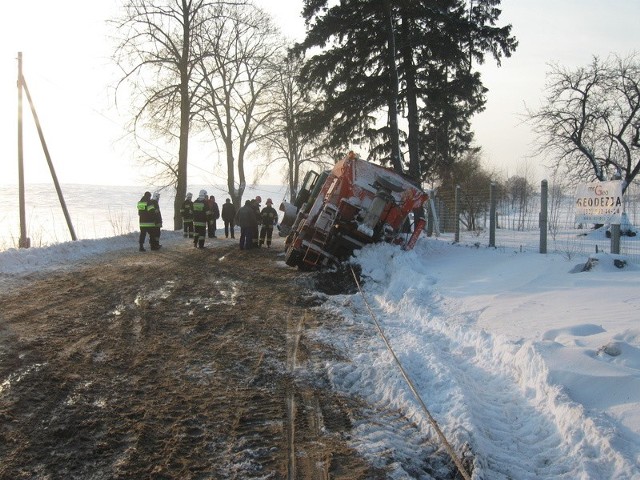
column 256, row 223
column 199, row 220
column 199, row 217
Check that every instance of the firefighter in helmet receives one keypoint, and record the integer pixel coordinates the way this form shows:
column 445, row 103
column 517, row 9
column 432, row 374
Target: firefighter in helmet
column 147, row 217
column 201, row 216
column 155, row 237
column 268, row 218
column 255, row 204
column 186, row 211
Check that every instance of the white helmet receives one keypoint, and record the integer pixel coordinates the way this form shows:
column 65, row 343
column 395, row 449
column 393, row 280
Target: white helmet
column 189, row 196
column 202, row 194
column 155, row 196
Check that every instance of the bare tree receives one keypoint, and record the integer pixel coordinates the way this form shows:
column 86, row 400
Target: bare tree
column 557, row 198
column 237, row 70
column 590, row 121
column 157, row 57
column 475, row 186
column 285, row 141
column 520, row 191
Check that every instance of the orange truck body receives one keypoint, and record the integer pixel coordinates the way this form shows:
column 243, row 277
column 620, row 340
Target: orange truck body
column 355, row 204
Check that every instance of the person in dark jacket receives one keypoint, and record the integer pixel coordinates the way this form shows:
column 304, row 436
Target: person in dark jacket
column 154, row 239
column 186, row 211
column 255, row 204
column 248, row 222
column 215, row 215
column 201, row 216
column 147, row 217
column 228, row 217
column 268, row 218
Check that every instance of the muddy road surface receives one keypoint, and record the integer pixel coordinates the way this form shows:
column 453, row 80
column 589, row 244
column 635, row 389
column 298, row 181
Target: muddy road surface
column 176, row 364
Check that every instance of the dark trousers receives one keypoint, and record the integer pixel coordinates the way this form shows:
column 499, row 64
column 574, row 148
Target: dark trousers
column 143, row 235
column 212, row 229
column 255, row 236
column 200, row 232
column 228, row 228
column 188, row 228
column 266, row 232
column 246, row 238
column 154, row 238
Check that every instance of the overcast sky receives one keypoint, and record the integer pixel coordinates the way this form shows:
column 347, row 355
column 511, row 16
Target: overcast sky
column 66, row 66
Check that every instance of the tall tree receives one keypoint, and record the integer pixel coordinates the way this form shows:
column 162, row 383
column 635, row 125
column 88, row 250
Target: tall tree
column 156, row 55
column 349, row 74
column 238, row 69
column 432, row 45
column 285, row 141
column 590, row 120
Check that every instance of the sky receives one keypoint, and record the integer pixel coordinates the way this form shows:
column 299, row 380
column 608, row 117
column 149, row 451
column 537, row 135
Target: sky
column 66, row 65
column 525, row 360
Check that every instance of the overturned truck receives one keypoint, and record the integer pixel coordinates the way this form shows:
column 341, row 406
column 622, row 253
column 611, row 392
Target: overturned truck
column 341, row 210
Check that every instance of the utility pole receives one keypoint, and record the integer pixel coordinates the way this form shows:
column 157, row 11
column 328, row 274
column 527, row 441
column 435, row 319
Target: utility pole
column 23, row 241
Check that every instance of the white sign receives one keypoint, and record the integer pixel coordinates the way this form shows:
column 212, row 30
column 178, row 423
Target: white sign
column 599, row 202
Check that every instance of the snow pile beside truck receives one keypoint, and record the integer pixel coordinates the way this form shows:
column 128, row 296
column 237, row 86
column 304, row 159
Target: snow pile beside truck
column 354, row 204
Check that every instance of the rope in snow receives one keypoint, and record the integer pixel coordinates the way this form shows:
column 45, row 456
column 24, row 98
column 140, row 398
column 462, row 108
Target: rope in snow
column 432, row 420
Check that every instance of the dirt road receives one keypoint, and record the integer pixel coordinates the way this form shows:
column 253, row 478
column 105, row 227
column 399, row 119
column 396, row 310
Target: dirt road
column 176, row 364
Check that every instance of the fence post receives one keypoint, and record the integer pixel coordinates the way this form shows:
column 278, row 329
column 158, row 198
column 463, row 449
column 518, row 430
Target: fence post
column 544, row 224
column 430, row 218
column 615, row 238
column 492, row 215
column 456, row 216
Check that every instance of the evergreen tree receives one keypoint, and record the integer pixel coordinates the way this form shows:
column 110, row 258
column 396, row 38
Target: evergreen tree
column 417, row 54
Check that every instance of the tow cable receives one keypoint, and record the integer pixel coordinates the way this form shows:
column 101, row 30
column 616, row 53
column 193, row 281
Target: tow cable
column 432, row 421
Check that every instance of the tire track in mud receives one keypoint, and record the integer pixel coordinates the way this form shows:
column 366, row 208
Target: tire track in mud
column 171, row 364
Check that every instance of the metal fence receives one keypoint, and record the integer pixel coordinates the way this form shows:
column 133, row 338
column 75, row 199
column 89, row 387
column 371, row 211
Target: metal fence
column 515, row 223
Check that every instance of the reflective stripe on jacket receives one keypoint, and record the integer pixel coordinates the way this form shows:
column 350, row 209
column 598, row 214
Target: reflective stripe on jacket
column 147, row 214
column 201, row 213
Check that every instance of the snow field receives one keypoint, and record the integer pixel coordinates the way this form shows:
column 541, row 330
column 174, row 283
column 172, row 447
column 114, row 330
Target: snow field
column 485, row 389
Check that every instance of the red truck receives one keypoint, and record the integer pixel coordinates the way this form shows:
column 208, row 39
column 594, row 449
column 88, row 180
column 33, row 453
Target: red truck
column 341, row 210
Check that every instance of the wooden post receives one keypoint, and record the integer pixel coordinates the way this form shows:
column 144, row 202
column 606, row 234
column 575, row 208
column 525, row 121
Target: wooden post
column 23, row 241
column 51, row 169
column 456, row 216
column 615, row 238
column 492, row 215
column 544, row 221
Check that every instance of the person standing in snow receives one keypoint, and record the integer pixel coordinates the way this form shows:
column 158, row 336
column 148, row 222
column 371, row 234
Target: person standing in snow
column 201, row 216
column 147, row 218
column 215, row 214
column 186, row 211
column 255, row 204
column 248, row 221
column 268, row 218
column 228, row 216
column 155, row 236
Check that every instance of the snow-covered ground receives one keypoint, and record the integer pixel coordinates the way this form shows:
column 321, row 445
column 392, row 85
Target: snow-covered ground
column 525, row 360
